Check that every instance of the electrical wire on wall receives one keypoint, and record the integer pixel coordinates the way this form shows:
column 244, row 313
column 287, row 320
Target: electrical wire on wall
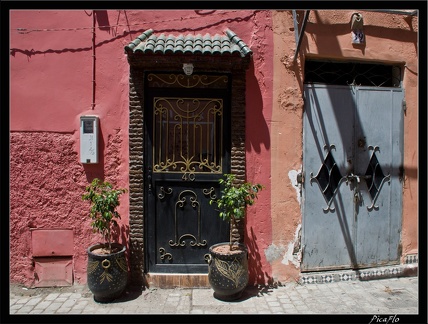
column 93, row 57
column 93, row 60
column 93, row 14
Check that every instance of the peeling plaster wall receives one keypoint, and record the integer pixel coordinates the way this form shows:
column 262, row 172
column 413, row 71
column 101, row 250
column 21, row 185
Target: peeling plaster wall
column 293, row 253
column 286, row 161
column 293, row 176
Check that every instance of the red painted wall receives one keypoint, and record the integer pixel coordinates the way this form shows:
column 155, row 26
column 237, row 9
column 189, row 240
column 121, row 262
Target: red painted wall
column 259, row 115
column 51, row 82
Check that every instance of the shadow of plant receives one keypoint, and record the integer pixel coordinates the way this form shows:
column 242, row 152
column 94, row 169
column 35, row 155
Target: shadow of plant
column 257, row 291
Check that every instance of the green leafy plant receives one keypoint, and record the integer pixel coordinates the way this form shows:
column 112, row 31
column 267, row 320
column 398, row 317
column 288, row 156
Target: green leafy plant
column 234, row 199
column 104, row 201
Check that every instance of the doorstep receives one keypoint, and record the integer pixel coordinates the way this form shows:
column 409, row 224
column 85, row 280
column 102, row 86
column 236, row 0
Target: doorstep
column 168, row 281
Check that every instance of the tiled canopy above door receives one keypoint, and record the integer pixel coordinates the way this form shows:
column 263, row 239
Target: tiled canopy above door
column 149, row 43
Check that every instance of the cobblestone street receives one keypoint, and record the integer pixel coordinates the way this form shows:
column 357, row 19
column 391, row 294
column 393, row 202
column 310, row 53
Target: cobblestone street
column 374, row 300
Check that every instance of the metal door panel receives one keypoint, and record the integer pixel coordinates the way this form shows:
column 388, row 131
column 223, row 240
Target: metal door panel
column 362, row 129
column 327, row 229
column 378, row 134
column 187, row 141
column 185, row 225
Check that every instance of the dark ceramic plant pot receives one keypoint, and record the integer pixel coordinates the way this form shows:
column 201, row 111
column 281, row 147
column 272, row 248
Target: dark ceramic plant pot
column 107, row 274
column 228, row 273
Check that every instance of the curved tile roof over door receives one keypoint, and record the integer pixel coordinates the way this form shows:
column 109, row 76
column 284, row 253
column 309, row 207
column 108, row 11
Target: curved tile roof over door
column 208, row 45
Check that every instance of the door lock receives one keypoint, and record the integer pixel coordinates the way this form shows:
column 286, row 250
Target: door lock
column 357, row 197
column 358, row 178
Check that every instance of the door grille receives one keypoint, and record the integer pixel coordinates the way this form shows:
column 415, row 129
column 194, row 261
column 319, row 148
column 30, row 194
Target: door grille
column 352, row 73
column 187, row 135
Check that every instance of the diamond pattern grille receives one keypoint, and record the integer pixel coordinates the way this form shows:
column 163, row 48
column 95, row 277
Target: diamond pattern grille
column 375, row 176
column 329, row 178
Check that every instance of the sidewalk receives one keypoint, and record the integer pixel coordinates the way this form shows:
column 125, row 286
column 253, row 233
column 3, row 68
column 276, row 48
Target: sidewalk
column 381, row 297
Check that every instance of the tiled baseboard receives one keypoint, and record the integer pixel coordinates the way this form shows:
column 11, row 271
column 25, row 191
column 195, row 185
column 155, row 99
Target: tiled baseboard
column 402, row 270
column 411, row 258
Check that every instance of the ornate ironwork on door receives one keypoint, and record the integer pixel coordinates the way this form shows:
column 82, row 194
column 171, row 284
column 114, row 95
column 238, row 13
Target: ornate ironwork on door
column 375, row 177
column 184, row 226
column 328, row 177
column 187, row 135
column 185, row 197
column 182, row 81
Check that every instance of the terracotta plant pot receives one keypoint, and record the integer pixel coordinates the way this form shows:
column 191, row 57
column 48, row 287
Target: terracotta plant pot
column 228, row 271
column 107, row 274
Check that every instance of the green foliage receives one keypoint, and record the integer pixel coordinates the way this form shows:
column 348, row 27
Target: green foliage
column 235, row 198
column 104, row 201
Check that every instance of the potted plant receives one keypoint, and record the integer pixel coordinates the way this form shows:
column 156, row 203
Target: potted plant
column 107, row 272
column 227, row 261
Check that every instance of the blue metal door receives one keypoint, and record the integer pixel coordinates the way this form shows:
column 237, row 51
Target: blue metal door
column 352, row 162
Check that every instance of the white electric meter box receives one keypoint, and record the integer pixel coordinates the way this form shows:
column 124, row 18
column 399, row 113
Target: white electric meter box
column 89, row 139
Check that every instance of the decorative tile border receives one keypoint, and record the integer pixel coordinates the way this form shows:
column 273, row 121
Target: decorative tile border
column 411, row 258
column 364, row 274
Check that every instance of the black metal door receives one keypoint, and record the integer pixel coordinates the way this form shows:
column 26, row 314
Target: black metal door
column 187, row 149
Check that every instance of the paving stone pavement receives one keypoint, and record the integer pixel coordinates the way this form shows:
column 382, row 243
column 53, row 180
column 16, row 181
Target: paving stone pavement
column 377, row 301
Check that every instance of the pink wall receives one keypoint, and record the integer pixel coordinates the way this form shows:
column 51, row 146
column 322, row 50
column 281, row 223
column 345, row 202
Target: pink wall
column 51, row 87
column 259, row 116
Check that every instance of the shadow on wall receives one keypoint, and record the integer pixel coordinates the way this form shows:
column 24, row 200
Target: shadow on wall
column 120, row 234
column 257, row 276
column 103, row 23
column 257, row 131
column 102, row 19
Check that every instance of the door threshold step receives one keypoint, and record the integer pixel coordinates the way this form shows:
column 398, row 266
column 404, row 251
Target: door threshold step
column 400, row 270
column 177, row 280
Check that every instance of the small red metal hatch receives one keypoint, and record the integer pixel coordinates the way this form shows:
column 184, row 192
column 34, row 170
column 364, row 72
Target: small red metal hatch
column 53, row 257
